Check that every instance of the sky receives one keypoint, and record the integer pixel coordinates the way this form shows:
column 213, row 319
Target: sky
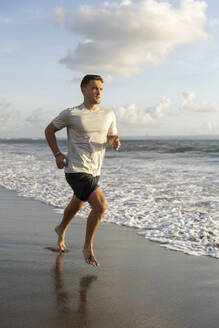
column 159, row 60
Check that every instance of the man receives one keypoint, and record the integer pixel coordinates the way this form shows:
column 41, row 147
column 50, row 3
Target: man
column 89, row 126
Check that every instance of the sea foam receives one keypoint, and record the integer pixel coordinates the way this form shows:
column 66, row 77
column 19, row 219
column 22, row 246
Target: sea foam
column 168, row 198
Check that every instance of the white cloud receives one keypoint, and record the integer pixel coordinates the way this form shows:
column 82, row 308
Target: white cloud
column 14, row 124
column 58, row 16
column 210, row 127
column 76, row 79
column 130, row 114
column 4, row 105
column 213, row 21
column 37, row 118
column 159, row 109
column 108, row 78
column 124, row 37
column 7, row 51
column 8, row 116
column 5, row 20
column 190, row 105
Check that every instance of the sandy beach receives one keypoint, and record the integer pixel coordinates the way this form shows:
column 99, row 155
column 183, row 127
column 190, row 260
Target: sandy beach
column 139, row 284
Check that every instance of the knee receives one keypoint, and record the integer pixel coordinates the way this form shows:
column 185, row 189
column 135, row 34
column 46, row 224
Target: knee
column 101, row 207
column 77, row 207
column 73, row 209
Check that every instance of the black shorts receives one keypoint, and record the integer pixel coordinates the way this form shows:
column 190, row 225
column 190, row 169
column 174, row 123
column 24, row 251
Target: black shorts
column 83, row 184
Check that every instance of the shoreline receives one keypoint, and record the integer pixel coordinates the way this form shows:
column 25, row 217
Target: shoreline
column 139, row 284
column 141, row 137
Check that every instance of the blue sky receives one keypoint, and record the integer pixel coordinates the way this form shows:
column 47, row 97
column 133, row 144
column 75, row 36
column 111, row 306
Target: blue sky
column 159, row 59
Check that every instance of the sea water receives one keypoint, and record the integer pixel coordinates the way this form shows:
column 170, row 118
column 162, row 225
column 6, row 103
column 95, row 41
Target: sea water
column 166, row 189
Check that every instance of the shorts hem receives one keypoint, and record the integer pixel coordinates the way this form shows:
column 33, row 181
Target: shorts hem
column 85, row 199
column 82, row 184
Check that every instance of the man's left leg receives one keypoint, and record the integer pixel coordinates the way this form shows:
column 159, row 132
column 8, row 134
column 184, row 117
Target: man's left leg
column 98, row 205
column 69, row 213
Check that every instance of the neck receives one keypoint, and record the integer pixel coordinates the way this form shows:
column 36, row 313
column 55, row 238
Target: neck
column 90, row 106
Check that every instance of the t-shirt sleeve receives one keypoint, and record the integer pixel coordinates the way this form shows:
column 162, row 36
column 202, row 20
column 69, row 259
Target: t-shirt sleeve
column 61, row 120
column 112, row 129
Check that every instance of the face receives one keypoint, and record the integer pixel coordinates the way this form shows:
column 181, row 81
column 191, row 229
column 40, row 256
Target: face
column 93, row 91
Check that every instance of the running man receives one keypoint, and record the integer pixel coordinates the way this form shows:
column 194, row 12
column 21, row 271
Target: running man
column 89, row 126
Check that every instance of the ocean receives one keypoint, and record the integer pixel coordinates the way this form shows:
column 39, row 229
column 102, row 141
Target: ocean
column 165, row 189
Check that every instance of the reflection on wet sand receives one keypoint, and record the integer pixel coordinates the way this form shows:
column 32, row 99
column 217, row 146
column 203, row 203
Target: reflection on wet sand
column 72, row 310
column 56, row 249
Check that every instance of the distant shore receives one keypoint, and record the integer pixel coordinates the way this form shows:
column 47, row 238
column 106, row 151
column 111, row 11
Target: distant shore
column 143, row 137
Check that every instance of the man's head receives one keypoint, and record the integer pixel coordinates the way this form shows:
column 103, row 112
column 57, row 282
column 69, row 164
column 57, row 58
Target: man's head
column 91, row 87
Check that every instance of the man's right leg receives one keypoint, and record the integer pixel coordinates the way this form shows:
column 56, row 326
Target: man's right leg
column 69, row 213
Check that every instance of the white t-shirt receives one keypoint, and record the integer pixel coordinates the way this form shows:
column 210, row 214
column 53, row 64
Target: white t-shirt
column 87, row 132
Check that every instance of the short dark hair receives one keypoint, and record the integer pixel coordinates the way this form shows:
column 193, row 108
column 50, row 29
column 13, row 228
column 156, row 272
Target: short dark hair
column 89, row 77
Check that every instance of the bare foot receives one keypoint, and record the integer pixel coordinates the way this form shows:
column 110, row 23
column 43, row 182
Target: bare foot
column 89, row 257
column 61, row 238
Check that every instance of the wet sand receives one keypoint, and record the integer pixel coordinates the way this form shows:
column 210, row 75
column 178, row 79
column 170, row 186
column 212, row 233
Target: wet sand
column 139, row 284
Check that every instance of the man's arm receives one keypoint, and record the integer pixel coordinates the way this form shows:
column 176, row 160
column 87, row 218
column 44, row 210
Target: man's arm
column 114, row 141
column 61, row 159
